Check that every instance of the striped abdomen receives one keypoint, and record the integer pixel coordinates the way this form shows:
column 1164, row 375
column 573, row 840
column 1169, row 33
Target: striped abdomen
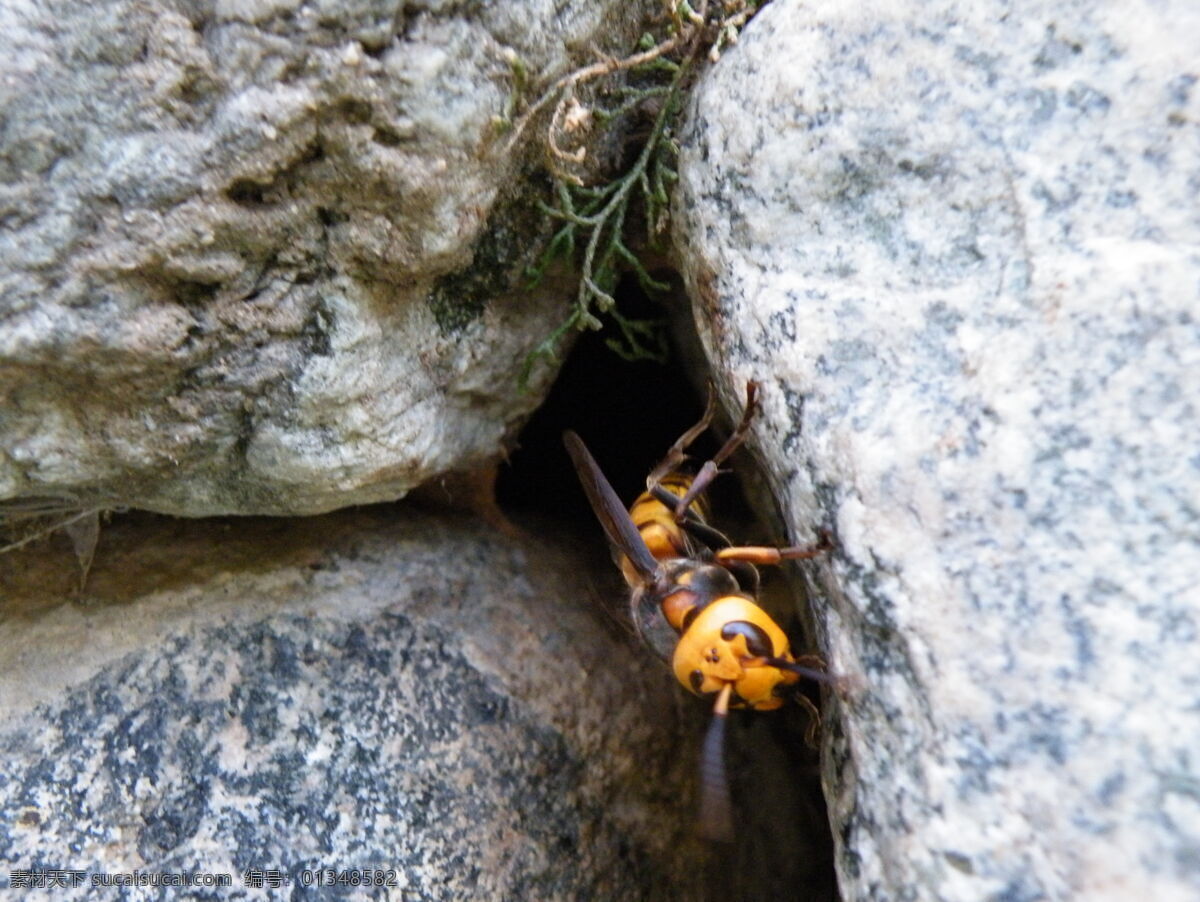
column 665, row 538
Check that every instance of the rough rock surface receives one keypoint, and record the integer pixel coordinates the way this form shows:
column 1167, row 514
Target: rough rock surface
column 264, row 256
column 385, row 689
column 958, row 245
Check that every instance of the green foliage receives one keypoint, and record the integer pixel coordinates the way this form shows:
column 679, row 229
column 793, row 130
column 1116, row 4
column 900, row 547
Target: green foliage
column 593, row 219
column 519, row 75
column 593, row 226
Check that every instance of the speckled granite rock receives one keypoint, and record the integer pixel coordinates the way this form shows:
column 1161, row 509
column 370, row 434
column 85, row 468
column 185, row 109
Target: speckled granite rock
column 379, row 690
column 266, row 256
column 958, row 245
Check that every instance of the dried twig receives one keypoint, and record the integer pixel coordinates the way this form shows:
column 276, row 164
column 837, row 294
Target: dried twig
column 593, row 218
column 564, row 87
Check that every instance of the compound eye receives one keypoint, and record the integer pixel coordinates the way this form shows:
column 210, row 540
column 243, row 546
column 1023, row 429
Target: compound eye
column 758, row 643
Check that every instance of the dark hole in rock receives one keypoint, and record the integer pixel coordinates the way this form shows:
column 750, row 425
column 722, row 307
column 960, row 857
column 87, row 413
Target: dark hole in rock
column 247, row 193
column 629, row 414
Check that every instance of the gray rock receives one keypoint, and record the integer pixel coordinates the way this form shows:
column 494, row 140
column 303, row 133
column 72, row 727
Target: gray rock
column 262, row 256
column 384, row 689
column 958, row 246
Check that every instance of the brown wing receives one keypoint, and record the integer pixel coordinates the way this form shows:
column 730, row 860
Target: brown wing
column 609, row 510
column 716, row 807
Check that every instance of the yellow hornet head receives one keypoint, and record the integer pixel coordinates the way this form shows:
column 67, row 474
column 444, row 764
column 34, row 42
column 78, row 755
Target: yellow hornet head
column 721, row 640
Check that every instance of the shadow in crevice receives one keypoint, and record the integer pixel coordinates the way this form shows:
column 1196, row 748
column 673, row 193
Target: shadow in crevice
column 628, row 415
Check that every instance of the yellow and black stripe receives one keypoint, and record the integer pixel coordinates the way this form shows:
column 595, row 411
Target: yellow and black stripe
column 656, row 523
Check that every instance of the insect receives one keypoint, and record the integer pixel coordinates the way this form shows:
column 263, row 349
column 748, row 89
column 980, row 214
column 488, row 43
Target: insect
column 693, row 593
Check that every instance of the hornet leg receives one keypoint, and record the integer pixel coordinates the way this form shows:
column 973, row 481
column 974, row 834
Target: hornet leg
column 710, row 469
